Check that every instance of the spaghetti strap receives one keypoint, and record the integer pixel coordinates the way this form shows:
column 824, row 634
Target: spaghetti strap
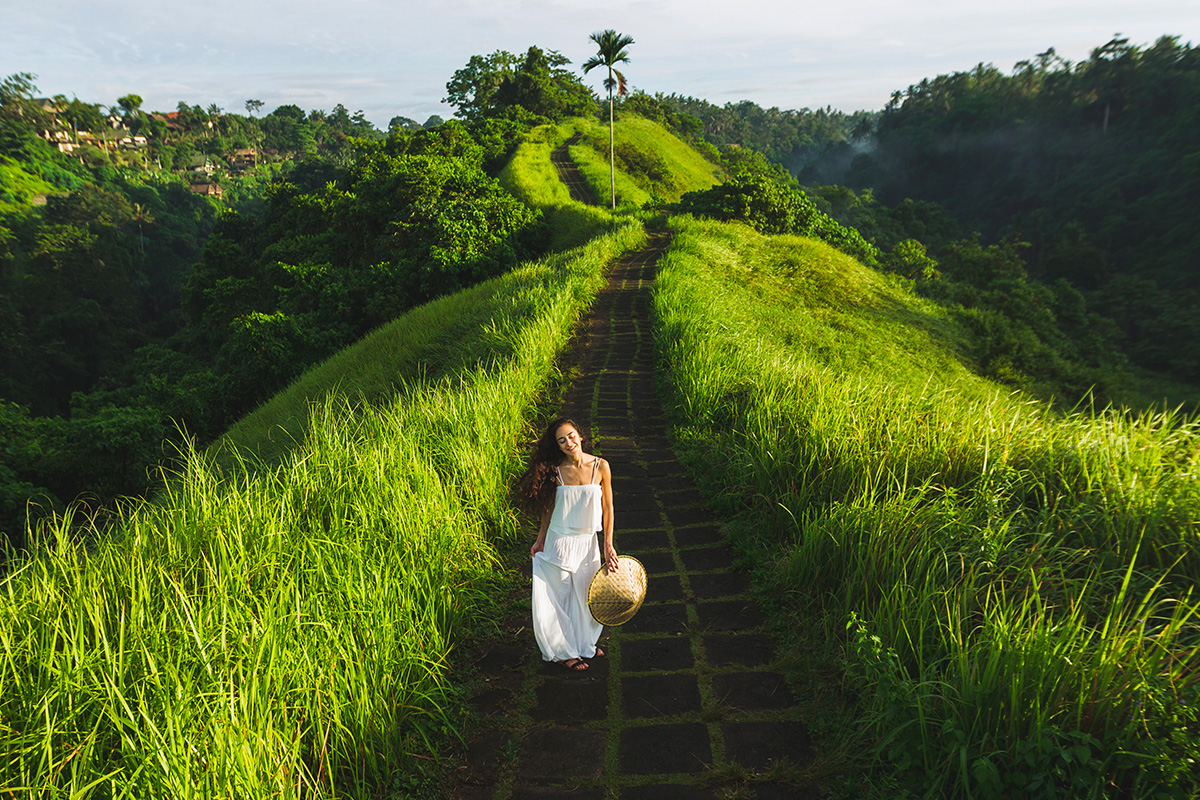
column 595, row 464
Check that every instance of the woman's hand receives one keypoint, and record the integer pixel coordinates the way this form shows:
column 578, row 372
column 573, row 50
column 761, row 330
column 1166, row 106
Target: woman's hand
column 611, row 562
column 538, row 546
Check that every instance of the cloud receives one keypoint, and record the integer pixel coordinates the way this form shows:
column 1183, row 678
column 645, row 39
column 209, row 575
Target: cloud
column 395, row 57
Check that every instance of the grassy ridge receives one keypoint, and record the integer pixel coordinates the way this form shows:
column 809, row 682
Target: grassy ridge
column 532, row 178
column 1012, row 588
column 651, row 162
column 284, row 631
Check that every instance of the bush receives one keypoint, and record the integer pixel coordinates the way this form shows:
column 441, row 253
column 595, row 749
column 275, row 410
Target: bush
column 772, row 207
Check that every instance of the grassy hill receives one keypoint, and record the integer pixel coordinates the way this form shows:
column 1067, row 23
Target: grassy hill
column 280, row 623
column 988, row 598
column 652, row 164
column 1007, row 590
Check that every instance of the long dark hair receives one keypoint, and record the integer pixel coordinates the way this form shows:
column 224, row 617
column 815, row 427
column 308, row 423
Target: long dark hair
column 534, row 490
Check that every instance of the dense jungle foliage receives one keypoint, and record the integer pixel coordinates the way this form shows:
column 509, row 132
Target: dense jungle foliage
column 163, row 273
column 1090, row 170
column 1075, row 182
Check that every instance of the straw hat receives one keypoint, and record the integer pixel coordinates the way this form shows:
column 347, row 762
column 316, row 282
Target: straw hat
column 614, row 597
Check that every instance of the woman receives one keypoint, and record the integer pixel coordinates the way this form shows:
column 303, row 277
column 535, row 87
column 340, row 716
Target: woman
column 571, row 491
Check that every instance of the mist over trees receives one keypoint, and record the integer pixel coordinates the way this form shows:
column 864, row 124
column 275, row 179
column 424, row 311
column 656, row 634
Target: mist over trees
column 1096, row 165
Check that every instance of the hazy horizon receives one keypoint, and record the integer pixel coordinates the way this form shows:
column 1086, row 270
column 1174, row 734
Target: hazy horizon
column 390, row 60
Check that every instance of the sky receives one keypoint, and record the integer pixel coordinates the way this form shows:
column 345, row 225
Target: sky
column 393, row 57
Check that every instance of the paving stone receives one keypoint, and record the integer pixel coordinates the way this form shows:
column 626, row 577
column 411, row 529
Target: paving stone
column 659, row 444
column 484, row 755
column 698, row 534
column 664, row 749
column 747, row 650
column 770, row 791
column 613, row 444
column 717, row 584
column 757, row 745
column 682, row 497
column 659, row 695
column 666, row 618
column 702, row 559
column 634, row 542
column 729, row 615
column 610, row 428
column 504, row 657
column 638, row 520
column 597, row 669
column 645, row 408
column 752, row 691
column 634, row 503
column 667, row 791
column 491, row 700
column 555, row 793
column 656, row 563
column 571, row 701
column 624, row 482
column 556, row 755
column 660, row 468
column 660, row 588
column 645, row 655
column 686, row 516
column 672, row 482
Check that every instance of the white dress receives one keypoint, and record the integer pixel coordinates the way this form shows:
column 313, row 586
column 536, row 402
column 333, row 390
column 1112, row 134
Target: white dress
column 563, row 571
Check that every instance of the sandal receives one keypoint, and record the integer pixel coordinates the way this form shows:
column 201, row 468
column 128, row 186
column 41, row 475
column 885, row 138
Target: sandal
column 599, row 652
column 575, row 664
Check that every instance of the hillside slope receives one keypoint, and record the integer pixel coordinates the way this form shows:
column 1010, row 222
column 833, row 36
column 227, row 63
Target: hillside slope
column 1010, row 586
column 267, row 629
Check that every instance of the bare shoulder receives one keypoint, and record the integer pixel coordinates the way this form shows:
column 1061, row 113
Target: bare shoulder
column 605, row 470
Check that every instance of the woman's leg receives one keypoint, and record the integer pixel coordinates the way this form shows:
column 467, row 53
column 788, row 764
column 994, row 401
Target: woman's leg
column 587, row 629
column 552, row 605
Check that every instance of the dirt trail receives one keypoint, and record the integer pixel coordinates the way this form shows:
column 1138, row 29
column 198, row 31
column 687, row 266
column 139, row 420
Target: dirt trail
column 687, row 704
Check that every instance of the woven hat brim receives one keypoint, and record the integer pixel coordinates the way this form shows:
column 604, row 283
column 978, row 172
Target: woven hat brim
column 613, row 598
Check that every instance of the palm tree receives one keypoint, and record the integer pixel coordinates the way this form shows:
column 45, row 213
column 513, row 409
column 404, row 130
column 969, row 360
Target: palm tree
column 611, row 50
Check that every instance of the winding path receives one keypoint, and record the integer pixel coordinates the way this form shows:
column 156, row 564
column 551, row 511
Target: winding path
column 688, row 703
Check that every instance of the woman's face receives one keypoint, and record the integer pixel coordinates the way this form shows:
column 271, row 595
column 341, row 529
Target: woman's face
column 568, row 441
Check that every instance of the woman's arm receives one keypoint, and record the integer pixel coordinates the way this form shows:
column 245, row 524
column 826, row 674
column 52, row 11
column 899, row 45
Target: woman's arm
column 540, row 544
column 606, row 503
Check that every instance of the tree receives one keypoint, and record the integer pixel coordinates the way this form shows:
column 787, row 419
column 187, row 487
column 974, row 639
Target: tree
column 130, row 104
column 611, row 50
column 253, row 107
column 402, row 123
column 471, row 88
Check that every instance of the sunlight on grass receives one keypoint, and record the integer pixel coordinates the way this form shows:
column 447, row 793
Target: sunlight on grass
column 284, row 631
column 1012, row 586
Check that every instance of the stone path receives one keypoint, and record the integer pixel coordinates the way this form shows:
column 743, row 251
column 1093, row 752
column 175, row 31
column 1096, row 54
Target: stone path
column 569, row 174
column 688, row 703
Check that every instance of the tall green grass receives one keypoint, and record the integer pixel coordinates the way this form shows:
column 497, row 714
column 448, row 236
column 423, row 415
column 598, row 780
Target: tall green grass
column 1013, row 588
column 532, row 178
column 285, row 631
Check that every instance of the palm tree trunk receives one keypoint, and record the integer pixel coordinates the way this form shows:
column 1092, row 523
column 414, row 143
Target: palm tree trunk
column 612, row 161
